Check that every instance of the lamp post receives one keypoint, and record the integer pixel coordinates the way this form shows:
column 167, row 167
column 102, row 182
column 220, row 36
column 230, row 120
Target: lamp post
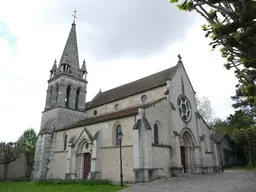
column 120, row 137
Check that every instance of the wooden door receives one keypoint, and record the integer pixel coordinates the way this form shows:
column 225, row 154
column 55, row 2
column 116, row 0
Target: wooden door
column 183, row 157
column 87, row 164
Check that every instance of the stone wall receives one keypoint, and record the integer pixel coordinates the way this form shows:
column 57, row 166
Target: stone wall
column 109, row 152
column 111, row 163
column 17, row 169
column 131, row 101
column 161, row 161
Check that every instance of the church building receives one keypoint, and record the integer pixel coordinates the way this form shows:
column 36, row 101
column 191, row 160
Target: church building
column 163, row 133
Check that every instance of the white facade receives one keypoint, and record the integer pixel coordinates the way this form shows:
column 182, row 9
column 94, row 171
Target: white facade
column 163, row 133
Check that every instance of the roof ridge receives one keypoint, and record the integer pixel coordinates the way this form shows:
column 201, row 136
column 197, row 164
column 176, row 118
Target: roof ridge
column 96, row 96
column 140, row 79
column 141, row 85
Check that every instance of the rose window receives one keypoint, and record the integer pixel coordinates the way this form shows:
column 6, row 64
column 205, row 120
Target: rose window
column 184, row 108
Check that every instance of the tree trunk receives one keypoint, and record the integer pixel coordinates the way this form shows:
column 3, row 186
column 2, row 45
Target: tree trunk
column 6, row 166
column 29, row 170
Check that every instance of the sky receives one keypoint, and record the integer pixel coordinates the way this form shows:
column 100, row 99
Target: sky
column 121, row 41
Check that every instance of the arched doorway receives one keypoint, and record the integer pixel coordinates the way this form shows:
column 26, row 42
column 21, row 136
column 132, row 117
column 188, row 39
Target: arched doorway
column 187, row 144
column 83, row 159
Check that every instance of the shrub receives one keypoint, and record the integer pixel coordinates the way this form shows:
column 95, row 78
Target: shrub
column 72, row 181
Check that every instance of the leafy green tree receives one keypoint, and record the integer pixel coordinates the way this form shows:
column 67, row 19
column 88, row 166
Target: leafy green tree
column 9, row 152
column 247, row 139
column 27, row 142
column 204, row 107
column 231, row 26
column 240, row 120
column 222, row 126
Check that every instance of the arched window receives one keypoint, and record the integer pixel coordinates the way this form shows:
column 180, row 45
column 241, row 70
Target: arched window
column 156, row 141
column 117, row 131
column 65, row 142
column 77, row 98
column 67, row 96
column 57, row 93
column 50, row 96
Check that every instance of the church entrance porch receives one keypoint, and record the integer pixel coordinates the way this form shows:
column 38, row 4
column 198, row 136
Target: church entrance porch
column 82, row 160
column 187, row 151
column 87, row 164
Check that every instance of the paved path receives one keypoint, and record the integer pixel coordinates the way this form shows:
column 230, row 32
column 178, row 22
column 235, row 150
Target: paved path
column 229, row 181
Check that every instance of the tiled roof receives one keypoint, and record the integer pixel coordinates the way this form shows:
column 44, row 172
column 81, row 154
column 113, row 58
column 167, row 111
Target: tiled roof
column 218, row 136
column 135, row 87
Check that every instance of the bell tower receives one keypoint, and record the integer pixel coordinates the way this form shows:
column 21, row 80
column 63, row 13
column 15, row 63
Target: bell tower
column 65, row 102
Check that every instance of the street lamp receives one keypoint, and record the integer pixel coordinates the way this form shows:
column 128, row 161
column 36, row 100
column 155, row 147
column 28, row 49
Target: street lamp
column 120, row 137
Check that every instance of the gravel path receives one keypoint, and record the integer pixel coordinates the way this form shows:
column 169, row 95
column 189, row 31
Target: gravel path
column 229, row 181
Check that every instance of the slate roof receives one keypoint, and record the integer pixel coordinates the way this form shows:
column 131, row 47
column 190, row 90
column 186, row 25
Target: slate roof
column 135, row 87
column 111, row 116
column 217, row 137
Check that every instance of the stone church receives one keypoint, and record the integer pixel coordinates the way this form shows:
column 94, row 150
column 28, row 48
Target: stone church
column 163, row 133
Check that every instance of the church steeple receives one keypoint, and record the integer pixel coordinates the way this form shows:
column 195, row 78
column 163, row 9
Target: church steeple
column 69, row 56
column 67, row 83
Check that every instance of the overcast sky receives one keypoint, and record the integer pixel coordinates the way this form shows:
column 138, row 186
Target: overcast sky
column 121, row 42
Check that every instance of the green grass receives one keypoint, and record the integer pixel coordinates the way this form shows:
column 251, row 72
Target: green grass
column 53, row 186
column 242, row 168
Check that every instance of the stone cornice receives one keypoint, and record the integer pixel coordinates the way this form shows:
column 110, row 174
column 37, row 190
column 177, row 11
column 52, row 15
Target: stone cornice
column 62, row 108
column 68, row 76
column 112, row 147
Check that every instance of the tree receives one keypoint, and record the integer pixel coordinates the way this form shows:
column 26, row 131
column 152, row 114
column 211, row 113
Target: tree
column 240, row 120
column 27, row 142
column 222, row 126
column 247, row 139
column 9, row 152
column 231, row 26
column 204, row 108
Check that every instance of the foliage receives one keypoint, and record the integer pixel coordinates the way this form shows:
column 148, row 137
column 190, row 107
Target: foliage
column 27, row 141
column 32, row 187
column 240, row 119
column 9, row 152
column 204, row 108
column 222, row 126
column 240, row 126
column 247, row 138
column 231, row 26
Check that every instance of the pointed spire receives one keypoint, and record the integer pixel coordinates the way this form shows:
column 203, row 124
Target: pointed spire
column 83, row 68
column 54, row 67
column 70, row 52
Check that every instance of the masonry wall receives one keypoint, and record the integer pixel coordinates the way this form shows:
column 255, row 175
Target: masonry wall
column 17, row 169
column 161, row 161
column 208, row 153
column 127, row 102
column 59, row 165
column 111, row 163
column 109, row 151
column 176, row 91
column 159, row 114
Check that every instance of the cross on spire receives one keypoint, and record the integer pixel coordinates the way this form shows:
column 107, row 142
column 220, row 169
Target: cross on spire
column 75, row 17
column 179, row 56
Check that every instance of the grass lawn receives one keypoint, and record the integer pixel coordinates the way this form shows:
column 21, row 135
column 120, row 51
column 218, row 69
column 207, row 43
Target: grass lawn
column 33, row 187
column 241, row 168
